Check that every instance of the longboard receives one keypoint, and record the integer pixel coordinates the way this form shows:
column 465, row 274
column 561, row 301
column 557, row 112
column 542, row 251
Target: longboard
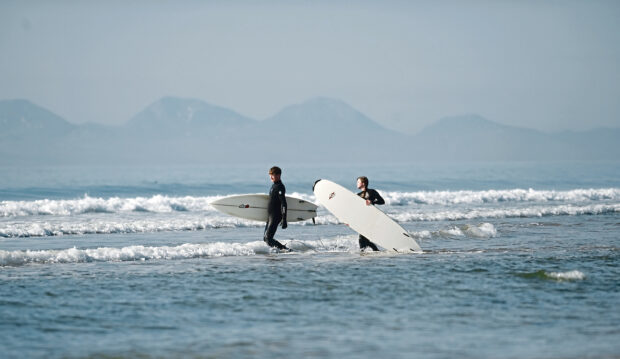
column 254, row 207
column 368, row 221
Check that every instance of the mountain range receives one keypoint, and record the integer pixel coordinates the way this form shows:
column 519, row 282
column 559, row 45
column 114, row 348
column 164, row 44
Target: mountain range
column 181, row 130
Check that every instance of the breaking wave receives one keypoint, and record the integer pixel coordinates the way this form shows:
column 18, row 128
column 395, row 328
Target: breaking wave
column 196, row 222
column 482, row 231
column 167, row 204
column 479, row 213
column 500, row 196
column 555, row 276
column 131, row 253
column 89, row 215
column 184, row 251
column 74, row 226
column 155, row 204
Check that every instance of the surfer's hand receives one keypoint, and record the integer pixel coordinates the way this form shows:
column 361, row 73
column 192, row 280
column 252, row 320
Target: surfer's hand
column 284, row 225
column 368, row 203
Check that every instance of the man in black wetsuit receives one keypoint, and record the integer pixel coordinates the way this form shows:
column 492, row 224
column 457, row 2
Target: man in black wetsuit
column 276, row 209
column 372, row 197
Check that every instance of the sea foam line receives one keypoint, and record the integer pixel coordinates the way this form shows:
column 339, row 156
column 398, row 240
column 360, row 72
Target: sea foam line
column 166, row 204
column 184, row 251
column 573, row 275
column 500, row 196
column 480, row 213
column 131, row 253
column 72, row 226
column 86, row 204
column 105, row 225
column 570, row 275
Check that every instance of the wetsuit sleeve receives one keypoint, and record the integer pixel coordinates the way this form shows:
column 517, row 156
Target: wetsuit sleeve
column 375, row 197
column 282, row 195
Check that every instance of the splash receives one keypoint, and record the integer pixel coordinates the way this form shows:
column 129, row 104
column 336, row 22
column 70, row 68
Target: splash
column 573, row 275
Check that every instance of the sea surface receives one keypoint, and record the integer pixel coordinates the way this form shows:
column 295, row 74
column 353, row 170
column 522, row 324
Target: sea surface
column 520, row 260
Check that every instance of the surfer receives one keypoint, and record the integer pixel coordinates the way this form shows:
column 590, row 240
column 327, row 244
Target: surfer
column 276, row 209
column 372, row 197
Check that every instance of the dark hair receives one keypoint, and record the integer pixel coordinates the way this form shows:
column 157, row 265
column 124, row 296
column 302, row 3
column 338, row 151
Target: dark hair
column 364, row 180
column 275, row 170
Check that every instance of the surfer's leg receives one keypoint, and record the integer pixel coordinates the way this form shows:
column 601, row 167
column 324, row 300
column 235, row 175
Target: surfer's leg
column 373, row 246
column 275, row 243
column 270, row 228
column 270, row 231
column 266, row 233
column 365, row 243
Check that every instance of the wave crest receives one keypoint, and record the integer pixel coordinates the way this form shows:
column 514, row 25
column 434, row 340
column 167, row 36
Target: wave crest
column 155, row 204
column 184, row 251
column 543, row 211
column 500, row 196
column 555, row 276
column 166, row 204
column 131, row 253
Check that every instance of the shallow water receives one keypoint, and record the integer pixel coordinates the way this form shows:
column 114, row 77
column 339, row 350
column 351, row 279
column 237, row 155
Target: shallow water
column 509, row 269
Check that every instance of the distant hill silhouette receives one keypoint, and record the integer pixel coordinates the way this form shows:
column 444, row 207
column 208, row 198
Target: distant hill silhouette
column 315, row 115
column 172, row 116
column 31, row 134
column 323, row 129
column 178, row 130
column 21, row 119
column 472, row 137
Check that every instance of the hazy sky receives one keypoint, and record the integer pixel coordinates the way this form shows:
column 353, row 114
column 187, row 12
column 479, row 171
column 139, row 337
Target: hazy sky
column 550, row 65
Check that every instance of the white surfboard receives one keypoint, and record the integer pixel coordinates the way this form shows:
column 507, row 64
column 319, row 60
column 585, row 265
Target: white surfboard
column 254, row 207
column 368, row 221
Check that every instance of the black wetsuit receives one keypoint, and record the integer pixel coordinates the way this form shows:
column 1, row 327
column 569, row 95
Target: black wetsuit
column 375, row 198
column 276, row 209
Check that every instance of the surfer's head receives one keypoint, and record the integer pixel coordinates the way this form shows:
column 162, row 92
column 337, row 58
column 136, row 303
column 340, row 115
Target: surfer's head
column 274, row 173
column 362, row 182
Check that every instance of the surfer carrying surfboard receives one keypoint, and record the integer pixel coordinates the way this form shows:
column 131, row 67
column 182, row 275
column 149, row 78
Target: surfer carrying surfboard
column 372, row 197
column 276, row 209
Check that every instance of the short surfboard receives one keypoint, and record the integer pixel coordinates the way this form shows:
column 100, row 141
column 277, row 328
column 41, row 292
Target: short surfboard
column 368, row 221
column 254, row 207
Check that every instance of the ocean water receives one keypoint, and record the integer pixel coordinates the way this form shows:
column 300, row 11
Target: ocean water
column 520, row 260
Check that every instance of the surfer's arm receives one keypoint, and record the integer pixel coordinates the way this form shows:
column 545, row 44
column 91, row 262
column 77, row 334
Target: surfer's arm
column 283, row 208
column 375, row 198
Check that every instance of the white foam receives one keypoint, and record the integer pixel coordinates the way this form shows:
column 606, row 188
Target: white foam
column 499, row 196
column 571, row 275
column 166, row 204
column 483, row 230
column 86, row 204
column 131, row 253
column 107, row 225
column 451, row 232
column 183, row 221
column 479, row 213
column 184, row 251
column 421, row 234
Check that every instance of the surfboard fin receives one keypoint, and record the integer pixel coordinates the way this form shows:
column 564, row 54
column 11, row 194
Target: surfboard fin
column 315, row 182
